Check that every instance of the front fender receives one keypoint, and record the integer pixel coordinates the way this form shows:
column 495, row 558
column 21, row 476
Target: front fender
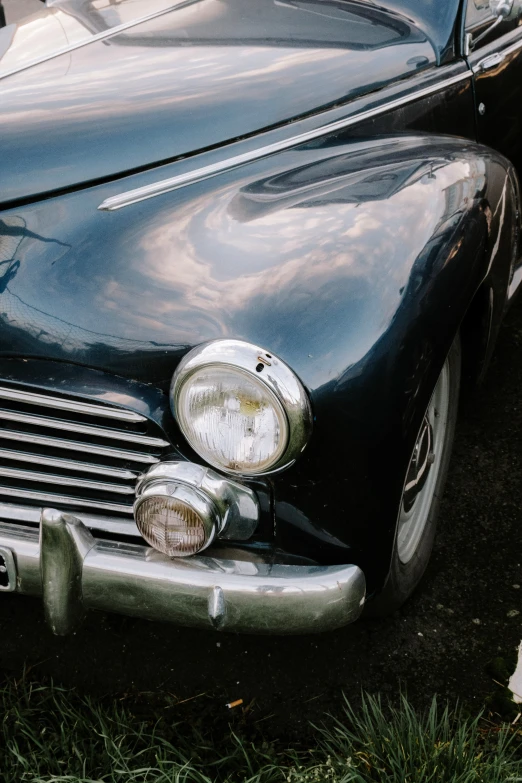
column 432, row 222
column 355, row 262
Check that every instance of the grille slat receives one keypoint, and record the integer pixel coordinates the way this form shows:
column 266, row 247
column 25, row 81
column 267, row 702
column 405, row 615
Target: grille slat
column 66, row 481
column 76, row 406
column 55, row 500
column 82, row 429
column 73, row 445
column 95, row 472
column 68, row 464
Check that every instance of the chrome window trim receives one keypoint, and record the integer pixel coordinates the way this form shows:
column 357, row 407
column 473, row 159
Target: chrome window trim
column 112, row 31
column 205, row 172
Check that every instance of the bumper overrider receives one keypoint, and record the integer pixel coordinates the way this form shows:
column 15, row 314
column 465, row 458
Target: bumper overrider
column 73, row 572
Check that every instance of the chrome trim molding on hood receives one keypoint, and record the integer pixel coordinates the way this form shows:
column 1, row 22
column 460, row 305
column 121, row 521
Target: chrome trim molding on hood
column 196, row 175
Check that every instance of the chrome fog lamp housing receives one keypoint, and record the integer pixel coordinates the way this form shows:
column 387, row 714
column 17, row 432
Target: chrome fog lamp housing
column 242, row 409
column 181, row 508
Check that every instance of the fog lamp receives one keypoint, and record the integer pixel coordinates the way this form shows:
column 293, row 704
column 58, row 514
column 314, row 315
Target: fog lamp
column 181, row 507
column 176, row 519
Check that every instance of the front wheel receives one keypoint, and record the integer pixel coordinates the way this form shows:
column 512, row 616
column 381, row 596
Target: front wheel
column 423, row 488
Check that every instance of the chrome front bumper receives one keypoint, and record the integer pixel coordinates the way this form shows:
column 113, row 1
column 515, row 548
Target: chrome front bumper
column 73, row 572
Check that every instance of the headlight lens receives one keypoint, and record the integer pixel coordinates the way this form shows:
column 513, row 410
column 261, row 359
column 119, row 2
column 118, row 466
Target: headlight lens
column 232, row 420
column 243, row 410
column 175, row 520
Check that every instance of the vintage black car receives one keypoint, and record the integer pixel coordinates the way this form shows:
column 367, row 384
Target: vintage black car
column 250, row 252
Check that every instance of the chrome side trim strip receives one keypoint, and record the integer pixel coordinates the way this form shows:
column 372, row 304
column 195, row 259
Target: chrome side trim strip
column 83, row 429
column 30, row 515
column 173, row 183
column 72, row 445
column 513, row 48
column 65, row 481
column 112, row 31
column 63, row 500
column 88, row 408
column 68, row 464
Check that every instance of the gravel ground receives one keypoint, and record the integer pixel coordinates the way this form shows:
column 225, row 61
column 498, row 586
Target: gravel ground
column 461, row 617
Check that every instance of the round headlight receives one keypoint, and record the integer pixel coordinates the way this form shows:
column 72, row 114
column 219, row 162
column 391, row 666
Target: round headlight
column 241, row 409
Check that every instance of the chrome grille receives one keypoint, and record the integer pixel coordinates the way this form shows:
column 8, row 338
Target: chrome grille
column 66, row 453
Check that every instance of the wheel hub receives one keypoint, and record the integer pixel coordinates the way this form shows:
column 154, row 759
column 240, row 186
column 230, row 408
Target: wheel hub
column 421, row 461
column 424, row 469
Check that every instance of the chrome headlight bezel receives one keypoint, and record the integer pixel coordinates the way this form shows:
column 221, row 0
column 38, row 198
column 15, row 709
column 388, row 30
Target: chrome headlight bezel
column 265, row 369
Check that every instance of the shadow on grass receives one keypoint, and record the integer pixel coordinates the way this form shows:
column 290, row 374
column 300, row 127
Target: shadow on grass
column 53, row 734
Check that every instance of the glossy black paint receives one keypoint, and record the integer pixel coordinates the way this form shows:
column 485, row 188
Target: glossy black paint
column 131, row 291
column 355, row 258
column 498, row 90
column 382, row 394
column 439, row 20
column 338, row 258
column 193, row 79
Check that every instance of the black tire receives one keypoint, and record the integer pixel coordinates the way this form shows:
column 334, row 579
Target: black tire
column 403, row 578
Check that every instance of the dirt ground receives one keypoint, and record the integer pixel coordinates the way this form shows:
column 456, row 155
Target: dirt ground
column 440, row 642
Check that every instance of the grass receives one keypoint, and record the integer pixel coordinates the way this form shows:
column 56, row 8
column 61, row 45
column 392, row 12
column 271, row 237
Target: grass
column 51, row 734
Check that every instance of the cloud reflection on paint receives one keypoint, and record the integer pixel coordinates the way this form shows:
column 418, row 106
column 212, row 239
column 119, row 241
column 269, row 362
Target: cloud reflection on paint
column 314, row 258
column 188, row 80
column 206, row 275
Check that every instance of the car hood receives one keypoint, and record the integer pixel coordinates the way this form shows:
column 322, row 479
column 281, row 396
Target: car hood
column 89, row 95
